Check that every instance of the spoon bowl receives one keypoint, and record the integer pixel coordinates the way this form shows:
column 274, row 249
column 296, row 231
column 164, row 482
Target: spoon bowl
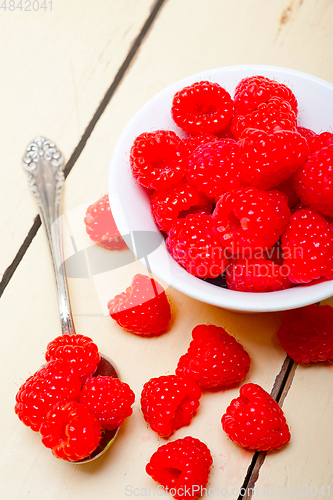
column 44, row 163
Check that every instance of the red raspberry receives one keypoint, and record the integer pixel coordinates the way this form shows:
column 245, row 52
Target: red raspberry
column 214, row 168
column 143, row 308
column 255, row 421
column 156, row 159
column 214, row 358
column 205, row 209
column 314, row 181
column 71, row 431
column 268, row 116
column 306, row 334
column 307, row 246
column 226, row 133
column 193, row 244
column 317, row 142
column 269, row 159
column 109, row 399
column 255, row 90
column 306, row 132
column 169, row 402
column 256, row 275
column 167, row 204
column 54, row 382
column 203, row 107
column 192, row 142
column 275, row 254
column 181, row 467
column 287, row 187
column 79, row 351
column 101, row 227
column 250, row 219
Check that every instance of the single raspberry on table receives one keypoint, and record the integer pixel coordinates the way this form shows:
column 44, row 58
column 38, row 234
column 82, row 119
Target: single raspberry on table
column 314, row 181
column 267, row 116
column 169, row 402
column 269, row 159
column 307, row 246
column 192, row 142
column 109, row 399
column 167, row 204
column 255, row 421
column 156, row 159
column 182, row 467
column 193, row 244
column 255, row 90
column 256, row 275
column 203, row 107
column 101, row 227
column 52, row 383
column 71, row 431
column 306, row 334
column 143, row 308
column 78, row 350
column 214, row 168
column 214, row 358
column 319, row 141
column 250, row 219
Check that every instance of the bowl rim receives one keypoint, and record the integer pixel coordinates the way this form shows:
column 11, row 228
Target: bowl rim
column 173, row 274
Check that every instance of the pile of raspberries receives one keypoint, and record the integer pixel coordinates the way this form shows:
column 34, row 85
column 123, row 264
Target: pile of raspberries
column 247, row 193
column 67, row 405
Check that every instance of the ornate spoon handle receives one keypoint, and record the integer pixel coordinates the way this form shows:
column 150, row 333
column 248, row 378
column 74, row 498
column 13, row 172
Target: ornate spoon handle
column 44, row 164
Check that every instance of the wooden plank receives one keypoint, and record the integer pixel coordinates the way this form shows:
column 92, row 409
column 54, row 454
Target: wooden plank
column 304, row 467
column 55, row 69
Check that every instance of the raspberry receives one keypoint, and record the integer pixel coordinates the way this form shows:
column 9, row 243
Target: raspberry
column 156, row 159
column 256, row 275
column 101, row 227
column 71, row 431
column 275, row 254
column 275, row 113
column 214, row 168
column 317, row 142
column 306, row 334
column 109, row 399
column 193, row 244
column 314, row 181
column 203, row 107
column 269, row 159
column 54, row 382
column 214, row 358
column 255, row 421
column 307, row 246
column 143, row 308
column 182, row 467
column 193, row 141
column 306, row 132
column 250, row 219
column 169, row 402
column 287, row 187
column 79, row 351
column 255, row 90
column 167, row 204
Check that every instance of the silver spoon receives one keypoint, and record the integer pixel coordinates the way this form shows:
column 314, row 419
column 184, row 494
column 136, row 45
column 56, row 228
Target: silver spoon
column 44, row 164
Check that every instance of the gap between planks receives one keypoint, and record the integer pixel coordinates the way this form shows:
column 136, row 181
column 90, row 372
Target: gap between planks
column 279, row 392
column 9, row 272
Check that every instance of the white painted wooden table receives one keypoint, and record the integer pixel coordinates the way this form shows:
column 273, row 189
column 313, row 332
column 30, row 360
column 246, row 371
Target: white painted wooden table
column 76, row 74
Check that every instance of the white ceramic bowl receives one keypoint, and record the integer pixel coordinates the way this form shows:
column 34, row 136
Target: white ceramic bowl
column 130, row 203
